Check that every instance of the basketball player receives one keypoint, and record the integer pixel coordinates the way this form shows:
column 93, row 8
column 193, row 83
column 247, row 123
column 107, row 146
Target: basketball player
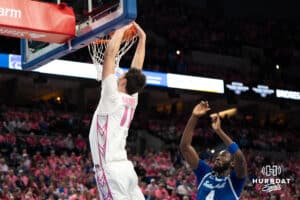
column 115, row 175
column 225, row 181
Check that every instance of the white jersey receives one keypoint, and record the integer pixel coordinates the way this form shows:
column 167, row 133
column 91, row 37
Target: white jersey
column 110, row 123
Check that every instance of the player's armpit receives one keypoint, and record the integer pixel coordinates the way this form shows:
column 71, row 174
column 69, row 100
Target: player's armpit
column 240, row 164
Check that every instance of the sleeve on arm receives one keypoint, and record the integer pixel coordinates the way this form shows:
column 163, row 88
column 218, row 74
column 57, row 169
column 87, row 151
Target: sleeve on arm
column 237, row 183
column 202, row 169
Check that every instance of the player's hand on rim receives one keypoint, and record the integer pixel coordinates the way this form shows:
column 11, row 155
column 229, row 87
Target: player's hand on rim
column 140, row 31
column 201, row 109
column 124, row 28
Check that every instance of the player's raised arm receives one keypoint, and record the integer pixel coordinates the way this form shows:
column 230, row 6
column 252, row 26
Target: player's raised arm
column 139, row 56
column 240, row 165
column 111, row 51
column 187, row 150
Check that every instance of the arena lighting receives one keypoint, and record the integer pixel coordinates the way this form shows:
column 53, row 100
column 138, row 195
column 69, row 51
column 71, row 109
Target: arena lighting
column 75, row 69
column 286, row 94
column 228, row 112
column 85, row 70
column 263, row 90
column 69, row 68
column 237, row 87
column 195, row 83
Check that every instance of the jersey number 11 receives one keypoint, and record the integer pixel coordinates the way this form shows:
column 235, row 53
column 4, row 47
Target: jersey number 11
column 127, row 117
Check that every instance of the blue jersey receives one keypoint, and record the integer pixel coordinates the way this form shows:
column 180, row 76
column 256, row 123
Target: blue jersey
column 211, row 187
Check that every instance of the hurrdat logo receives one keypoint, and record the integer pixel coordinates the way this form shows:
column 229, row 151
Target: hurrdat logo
column 271, row 181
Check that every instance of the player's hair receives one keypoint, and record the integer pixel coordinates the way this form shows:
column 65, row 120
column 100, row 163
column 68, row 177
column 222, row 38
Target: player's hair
column 136, row 81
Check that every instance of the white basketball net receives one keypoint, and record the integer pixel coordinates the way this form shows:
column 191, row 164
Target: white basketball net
column 97, row 49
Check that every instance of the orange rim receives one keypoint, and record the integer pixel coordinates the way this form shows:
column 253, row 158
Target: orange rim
column 128, row 35
column 101, row 41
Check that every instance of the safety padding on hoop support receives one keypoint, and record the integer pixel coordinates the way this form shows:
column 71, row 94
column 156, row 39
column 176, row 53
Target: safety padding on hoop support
column 39, row 21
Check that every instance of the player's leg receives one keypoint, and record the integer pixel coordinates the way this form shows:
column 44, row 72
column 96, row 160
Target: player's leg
column 135, row 191
column 102, row 185
column 119, row 180
column 137, row 194
column 111, row 191
column 118, row 189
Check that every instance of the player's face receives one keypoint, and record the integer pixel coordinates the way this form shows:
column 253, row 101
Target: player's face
column 222, row 162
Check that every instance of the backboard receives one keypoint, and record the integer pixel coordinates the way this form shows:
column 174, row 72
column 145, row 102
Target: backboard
column 94, row 18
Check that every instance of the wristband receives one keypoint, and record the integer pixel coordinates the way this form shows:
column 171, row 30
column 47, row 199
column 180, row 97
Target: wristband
column 233, row 148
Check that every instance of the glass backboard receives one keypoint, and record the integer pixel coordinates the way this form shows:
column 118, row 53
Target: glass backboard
column 94, row 18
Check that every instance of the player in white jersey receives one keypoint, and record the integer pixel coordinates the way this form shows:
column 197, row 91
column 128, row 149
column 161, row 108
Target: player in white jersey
column 115, row 175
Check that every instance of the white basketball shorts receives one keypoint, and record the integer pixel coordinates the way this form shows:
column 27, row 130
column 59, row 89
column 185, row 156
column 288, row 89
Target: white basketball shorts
column 118, row 181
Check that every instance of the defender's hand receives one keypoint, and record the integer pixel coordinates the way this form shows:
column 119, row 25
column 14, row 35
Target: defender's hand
column 201, row 109
column 216, row 123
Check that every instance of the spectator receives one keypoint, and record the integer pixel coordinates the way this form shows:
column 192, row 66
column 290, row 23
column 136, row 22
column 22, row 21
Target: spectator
column 173, row 195
column 70, row 143
column 152, row 186
column 3, row 166
column 80, row 143
column 161, row 192
column 184, row 188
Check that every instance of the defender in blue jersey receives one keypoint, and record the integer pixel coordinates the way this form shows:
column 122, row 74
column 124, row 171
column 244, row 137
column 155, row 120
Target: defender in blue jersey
column 226, row 179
